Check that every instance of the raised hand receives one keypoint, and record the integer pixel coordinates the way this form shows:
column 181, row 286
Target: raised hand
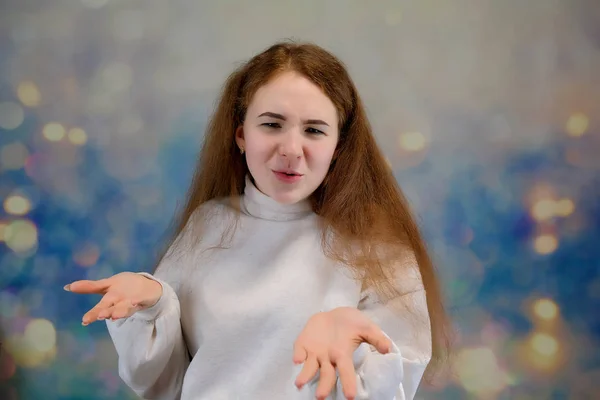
column 123, row 295
column 328, row 341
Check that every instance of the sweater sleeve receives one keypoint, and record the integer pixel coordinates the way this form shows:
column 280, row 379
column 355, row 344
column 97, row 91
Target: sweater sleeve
column 405, row 320
column 152, row 352
column 153, row 357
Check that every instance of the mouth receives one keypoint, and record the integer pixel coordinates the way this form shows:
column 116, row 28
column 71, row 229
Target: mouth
column 288, row 173
column 288, row 176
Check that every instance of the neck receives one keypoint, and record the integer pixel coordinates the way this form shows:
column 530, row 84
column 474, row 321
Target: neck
column 259, row 205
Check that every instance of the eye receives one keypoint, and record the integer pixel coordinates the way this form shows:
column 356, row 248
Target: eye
column 272, row 125
column 315, row 131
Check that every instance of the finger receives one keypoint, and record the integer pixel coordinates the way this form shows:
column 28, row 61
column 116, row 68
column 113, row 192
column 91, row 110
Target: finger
column 299, row 354
column 105, row 303
column 377, row 338
column 123, row 309
column 88, row 287
column 347, row 375
column 105, row 313
column 309, row 370
column 326, row 379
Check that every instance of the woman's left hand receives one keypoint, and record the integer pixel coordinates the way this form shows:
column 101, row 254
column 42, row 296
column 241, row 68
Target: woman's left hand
column 328, row 341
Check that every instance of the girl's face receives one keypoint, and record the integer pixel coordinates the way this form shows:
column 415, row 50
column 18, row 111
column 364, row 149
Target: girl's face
column 289, row 135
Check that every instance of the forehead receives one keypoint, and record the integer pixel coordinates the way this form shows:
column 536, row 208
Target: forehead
column 293, row 94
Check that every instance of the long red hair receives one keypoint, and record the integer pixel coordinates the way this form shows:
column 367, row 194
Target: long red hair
column 366, row 220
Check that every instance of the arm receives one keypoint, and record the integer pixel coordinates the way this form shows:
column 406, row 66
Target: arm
column 153, row 357
column 396, row 375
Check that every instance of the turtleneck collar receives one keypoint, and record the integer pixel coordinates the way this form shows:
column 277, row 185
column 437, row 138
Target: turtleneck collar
column 259, row 205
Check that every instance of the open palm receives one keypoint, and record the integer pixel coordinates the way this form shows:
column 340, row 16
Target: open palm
column 328, row 341
column 123, row 295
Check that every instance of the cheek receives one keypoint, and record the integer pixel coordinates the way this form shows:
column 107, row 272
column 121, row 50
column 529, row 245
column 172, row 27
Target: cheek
column 257, row 154
column 258, row 159
column 320, row 157
column 256, row 148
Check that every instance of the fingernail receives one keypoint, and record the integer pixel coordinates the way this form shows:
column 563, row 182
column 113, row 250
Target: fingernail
column 67, row 287
column 84, row 324
column 101, row 318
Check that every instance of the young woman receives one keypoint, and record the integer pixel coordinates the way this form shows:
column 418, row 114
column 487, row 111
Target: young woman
column 297, row 270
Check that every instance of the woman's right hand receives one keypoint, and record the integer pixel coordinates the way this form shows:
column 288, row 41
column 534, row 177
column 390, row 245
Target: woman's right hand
column 123, row 295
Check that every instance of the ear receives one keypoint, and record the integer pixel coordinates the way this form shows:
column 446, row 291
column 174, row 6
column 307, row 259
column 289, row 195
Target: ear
column 239, row 137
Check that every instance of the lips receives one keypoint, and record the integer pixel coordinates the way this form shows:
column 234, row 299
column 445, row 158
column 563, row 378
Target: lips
column 288, row 176
column 289, row 173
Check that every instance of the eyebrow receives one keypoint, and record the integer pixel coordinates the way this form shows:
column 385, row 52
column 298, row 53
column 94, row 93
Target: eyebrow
column 283, row 118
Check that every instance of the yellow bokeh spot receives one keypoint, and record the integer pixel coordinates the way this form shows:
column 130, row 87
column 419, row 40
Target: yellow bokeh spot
column 29, row 93
column 77, row 136
column 545, row 244
column 54, row 131
column 17, row 205
column 26, row 354
column 543, row 352
column 543, row 209
column 544, row 344
column 545, row 309
column 479, row 372
column 41, row 334
column 546, row 208
column 412, row 141
column 565, row 207
column 577, row 124
column 21, row 235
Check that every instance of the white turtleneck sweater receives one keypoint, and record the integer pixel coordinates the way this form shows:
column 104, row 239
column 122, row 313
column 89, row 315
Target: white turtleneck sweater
column 225, row 325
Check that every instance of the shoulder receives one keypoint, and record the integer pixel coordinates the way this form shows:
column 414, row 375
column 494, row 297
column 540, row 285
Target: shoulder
column 202, row 221
column 203, row 229
column 215, row 211
column 399, row 267
column 408, row 274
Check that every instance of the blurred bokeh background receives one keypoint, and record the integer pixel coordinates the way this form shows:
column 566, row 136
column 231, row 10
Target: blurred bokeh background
column 488, row 111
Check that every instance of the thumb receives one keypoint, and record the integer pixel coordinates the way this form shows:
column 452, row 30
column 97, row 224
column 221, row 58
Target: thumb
column 380, row 340
column 88, row 286
column 299, row 354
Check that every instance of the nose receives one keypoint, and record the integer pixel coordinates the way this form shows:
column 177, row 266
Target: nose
column 290, row 146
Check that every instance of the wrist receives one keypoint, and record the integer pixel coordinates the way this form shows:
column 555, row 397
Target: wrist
column 156, row 289
column 159, row 291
